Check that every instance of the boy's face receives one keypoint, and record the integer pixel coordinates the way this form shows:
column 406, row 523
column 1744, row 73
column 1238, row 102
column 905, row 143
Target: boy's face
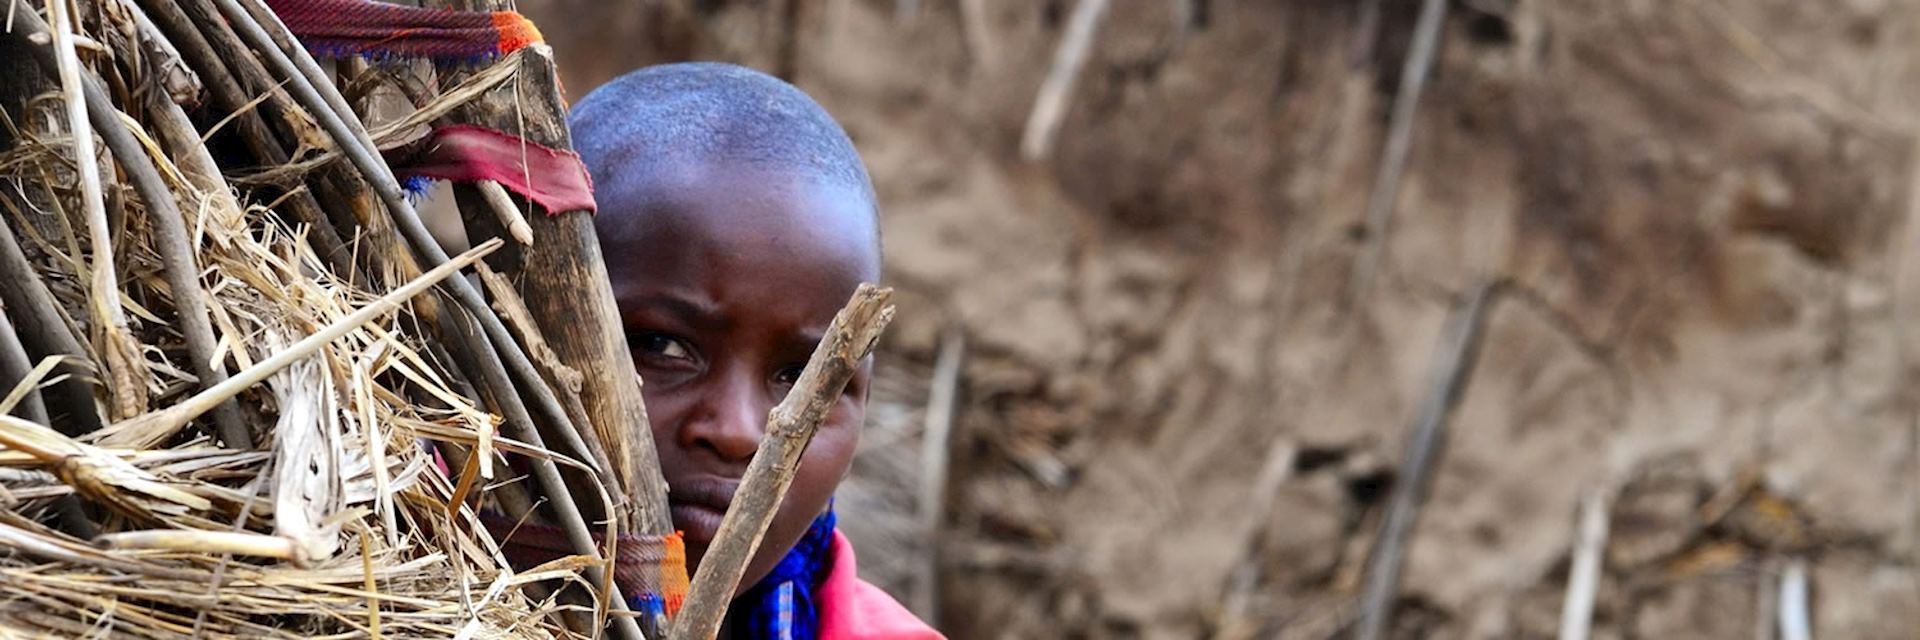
column 727, row 277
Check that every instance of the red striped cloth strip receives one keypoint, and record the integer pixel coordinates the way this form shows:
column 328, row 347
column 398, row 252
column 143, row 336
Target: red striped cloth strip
column 643, row 565
column 362, row 27
column 554, row 179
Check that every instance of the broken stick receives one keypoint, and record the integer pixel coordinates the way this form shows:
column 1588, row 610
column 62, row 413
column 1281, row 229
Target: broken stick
column 790, row 427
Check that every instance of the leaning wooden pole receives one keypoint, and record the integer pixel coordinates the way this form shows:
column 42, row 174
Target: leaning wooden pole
column 1458, row 354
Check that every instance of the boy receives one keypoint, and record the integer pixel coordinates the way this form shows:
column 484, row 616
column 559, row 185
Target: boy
column 737, row 218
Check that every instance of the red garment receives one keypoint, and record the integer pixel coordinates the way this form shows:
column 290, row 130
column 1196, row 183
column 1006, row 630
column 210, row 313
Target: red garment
column 851, row 609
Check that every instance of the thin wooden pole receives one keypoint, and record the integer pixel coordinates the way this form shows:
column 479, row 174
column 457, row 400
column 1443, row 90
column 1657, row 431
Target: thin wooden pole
column 1583, row 582
column 1393, row 159
column 179, row 266
column 936, row 442
column 790, row 427
column 1796, row 619
column 1050, row 106
column 1460, row 349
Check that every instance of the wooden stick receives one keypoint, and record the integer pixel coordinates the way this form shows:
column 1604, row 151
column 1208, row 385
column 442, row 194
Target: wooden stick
column 1583, row 582
column 1461, row 349
column 148, row 429
column 936, row 441
column 1393, row 159
column 230, row 77
column 510, row 216
column 1796, row 622
column 307, row 83
column 1050, row 106
column 125, row 372
column 790, row 427
column 179, row 266
column 14, row 367
column 47, row 334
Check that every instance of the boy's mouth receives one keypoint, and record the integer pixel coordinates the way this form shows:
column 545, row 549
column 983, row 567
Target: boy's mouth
column 699, row 505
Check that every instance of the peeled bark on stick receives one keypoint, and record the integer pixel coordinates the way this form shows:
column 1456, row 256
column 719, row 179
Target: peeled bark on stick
column 790, row 428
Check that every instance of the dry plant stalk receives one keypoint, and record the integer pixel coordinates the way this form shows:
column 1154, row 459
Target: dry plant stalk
column 790, row 427
column 343, row 523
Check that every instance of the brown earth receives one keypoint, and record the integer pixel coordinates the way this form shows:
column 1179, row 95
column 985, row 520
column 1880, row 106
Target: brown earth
column 1704, row 208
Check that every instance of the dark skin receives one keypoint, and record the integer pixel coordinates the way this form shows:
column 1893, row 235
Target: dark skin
column 727, row 276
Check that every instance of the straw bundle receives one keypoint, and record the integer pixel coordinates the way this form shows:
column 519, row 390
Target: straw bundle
column 225, row 388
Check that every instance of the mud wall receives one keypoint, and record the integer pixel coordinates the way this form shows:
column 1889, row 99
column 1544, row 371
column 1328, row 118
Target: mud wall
column 1703, row 208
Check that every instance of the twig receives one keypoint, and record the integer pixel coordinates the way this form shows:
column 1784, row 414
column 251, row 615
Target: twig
column 790, row 427
column 46, row 333
column 14, row 367
column 935, row 450
column 146, row 430
column 1583, row 582
column 1393, row 158
column 1796, row 622
column 1274, row 472
column 1461, row 349
column 179, row 266
column 510, row 216
column 1050, row 107
column 209, row 46
column 122, row 358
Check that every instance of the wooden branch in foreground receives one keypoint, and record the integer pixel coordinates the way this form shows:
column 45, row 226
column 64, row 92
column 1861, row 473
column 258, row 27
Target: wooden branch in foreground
column 1460, row 350
column 790, row 427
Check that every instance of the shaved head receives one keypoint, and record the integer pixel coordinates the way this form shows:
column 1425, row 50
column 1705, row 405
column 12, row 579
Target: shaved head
column 711, row 113
column 736, row 219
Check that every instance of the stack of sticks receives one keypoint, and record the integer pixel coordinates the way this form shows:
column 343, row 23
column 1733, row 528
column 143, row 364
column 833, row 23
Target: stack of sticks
column 243, row 392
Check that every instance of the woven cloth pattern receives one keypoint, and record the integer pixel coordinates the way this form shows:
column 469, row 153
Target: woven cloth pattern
column 341, row 28
column 554, row 179
column 783, row 605
column 650, row 570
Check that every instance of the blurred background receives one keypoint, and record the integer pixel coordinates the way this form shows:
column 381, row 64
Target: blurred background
column 1191, row 333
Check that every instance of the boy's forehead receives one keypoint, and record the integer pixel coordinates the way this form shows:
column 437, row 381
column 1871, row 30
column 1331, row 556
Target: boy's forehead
column 680, row 209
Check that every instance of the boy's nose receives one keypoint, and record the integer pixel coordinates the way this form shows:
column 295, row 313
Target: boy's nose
column 731, row 424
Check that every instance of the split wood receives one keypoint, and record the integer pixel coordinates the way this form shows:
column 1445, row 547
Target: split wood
column 790, row 427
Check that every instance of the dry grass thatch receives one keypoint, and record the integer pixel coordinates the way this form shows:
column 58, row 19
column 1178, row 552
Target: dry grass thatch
column 218, row 361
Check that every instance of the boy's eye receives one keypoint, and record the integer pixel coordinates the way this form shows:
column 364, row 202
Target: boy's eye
column 660, row 345
column 789, row 375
